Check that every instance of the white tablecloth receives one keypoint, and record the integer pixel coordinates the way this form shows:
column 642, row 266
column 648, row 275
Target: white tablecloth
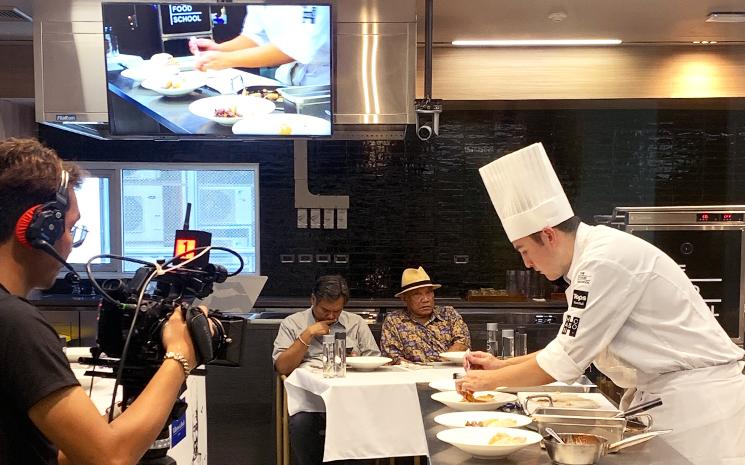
column 368, row 414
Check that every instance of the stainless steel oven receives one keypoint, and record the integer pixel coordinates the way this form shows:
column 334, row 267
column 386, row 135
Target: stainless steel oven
column 708, row 242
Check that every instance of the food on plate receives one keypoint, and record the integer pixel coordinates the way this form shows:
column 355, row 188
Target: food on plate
column 469, row 397
column 231, row 112
column 268, row 94
column 504, row 439
column 503, row 422
column 173, row 83
column 285, row 129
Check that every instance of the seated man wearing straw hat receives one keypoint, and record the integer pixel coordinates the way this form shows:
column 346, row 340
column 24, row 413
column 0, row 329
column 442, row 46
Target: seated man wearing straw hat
column 421, row 331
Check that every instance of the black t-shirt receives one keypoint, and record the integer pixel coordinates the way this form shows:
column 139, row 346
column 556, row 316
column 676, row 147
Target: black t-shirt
column 32, row 366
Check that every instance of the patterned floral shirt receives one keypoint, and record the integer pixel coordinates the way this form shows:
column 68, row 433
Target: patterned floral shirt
column 403, row 337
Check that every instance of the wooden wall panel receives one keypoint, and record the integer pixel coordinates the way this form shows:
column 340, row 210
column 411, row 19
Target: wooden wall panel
column 625, row 72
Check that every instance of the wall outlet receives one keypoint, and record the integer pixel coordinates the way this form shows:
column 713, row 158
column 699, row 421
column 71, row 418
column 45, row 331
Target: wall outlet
column 341, row 258
column 286, row 258
column 341, row 218
column 305, row 258
column 315, row 218
column 323, row 258
column 460, row 259
column 328, row 218
column 302, row 218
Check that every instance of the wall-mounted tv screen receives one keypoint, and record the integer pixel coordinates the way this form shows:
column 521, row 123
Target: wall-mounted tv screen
column 221, row 69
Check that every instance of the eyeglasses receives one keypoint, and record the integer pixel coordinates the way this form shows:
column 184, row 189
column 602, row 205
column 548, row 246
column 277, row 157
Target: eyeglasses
column 78, row 235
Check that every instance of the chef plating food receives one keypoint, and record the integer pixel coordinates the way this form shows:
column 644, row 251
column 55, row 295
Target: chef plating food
column 632, row 312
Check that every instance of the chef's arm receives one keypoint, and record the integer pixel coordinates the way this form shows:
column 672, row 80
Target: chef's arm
column 238, row 43
column 526, row 373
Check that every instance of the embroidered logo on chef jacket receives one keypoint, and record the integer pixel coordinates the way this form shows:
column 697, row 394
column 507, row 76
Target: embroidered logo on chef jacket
column 583, row 278
column 571, row 323
column 579, row 299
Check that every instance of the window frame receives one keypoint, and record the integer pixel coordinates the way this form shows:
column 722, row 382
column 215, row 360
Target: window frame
column 113, row 171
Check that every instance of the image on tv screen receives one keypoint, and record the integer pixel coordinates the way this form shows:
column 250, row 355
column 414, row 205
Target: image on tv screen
column 232, row 70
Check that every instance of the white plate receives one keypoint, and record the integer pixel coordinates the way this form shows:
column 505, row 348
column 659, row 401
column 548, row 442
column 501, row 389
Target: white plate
column 246, row 107
column 443, row 384
column 366, row 363
column 475, row 441
column 454, row 357
column 454, row 400
column 498, row 419
column 281, row 124
column 187, row 82
column 139, row 73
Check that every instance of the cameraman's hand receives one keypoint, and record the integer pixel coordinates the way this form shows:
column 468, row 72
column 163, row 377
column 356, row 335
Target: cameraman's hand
column 175, row 336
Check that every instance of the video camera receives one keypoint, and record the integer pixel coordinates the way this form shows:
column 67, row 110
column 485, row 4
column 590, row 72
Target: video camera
column 132, row 314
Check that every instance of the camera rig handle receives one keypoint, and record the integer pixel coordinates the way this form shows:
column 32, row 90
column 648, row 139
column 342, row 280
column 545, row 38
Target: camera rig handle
column 201, row 336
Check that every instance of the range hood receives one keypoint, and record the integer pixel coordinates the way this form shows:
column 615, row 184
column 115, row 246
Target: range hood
column 70, row 81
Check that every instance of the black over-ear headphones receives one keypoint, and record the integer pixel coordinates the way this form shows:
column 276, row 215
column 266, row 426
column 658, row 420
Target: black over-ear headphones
column 42, row 225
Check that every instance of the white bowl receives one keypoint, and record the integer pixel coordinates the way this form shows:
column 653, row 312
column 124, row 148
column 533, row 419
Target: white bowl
column 245, row 106
column 475, row 441
column 445, row 384
column 495, row 419
column 367, row 363
column 186, row 82
column 454, row 357
column 454, row 400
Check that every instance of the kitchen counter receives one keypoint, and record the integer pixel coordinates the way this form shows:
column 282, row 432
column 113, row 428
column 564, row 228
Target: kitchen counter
column 654, row 452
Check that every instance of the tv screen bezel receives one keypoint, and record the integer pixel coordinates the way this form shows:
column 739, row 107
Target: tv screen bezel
column 228, row 137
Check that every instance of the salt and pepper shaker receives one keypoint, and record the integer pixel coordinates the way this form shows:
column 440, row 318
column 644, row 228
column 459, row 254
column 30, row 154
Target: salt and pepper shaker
column 328, row 356
column 492, row 339
column 340, row 354
column 508, row 343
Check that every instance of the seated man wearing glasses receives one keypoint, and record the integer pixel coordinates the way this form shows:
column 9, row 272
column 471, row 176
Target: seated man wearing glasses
column 298, row 342
column 421, row 331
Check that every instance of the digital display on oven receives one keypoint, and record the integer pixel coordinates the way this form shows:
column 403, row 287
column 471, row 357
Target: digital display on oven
column 719, row 217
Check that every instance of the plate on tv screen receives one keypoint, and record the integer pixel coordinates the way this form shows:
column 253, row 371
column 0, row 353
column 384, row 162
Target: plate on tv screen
column 281, row 124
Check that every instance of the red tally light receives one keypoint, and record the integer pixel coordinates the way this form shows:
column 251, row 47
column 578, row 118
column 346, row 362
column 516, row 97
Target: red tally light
column 185, row 245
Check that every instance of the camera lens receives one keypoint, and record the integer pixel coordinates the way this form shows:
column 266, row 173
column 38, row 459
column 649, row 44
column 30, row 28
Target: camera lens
column 424, row 132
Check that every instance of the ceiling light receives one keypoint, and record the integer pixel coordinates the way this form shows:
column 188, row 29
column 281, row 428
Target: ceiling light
column 536, row 43
column 729, row 17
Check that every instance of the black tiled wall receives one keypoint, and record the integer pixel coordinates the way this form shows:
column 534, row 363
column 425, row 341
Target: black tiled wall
column 415, row 203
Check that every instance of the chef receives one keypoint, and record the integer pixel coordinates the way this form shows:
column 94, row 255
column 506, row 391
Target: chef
column 294, row 38
column 631, row 311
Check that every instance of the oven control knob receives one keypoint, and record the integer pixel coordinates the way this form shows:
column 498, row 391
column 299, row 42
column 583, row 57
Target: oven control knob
column 686, row 248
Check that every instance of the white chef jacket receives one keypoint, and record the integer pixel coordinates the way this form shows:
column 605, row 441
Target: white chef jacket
column 636, row 315
column 300, row 31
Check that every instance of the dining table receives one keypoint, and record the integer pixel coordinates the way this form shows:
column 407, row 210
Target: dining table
column 369, row 414
column 653, row 452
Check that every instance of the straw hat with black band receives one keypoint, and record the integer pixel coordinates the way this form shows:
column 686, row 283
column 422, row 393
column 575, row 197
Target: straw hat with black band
column 414, row 278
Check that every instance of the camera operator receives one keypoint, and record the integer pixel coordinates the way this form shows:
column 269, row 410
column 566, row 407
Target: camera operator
column 45, row 416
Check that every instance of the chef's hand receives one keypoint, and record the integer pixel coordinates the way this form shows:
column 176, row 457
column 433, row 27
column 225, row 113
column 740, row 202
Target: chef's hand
column 200, row 45
column 482, row 361
column 476, row 380
column 213, row 59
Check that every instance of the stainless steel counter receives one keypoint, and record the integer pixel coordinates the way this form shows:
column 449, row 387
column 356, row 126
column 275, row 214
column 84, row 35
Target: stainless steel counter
column 654, row 452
